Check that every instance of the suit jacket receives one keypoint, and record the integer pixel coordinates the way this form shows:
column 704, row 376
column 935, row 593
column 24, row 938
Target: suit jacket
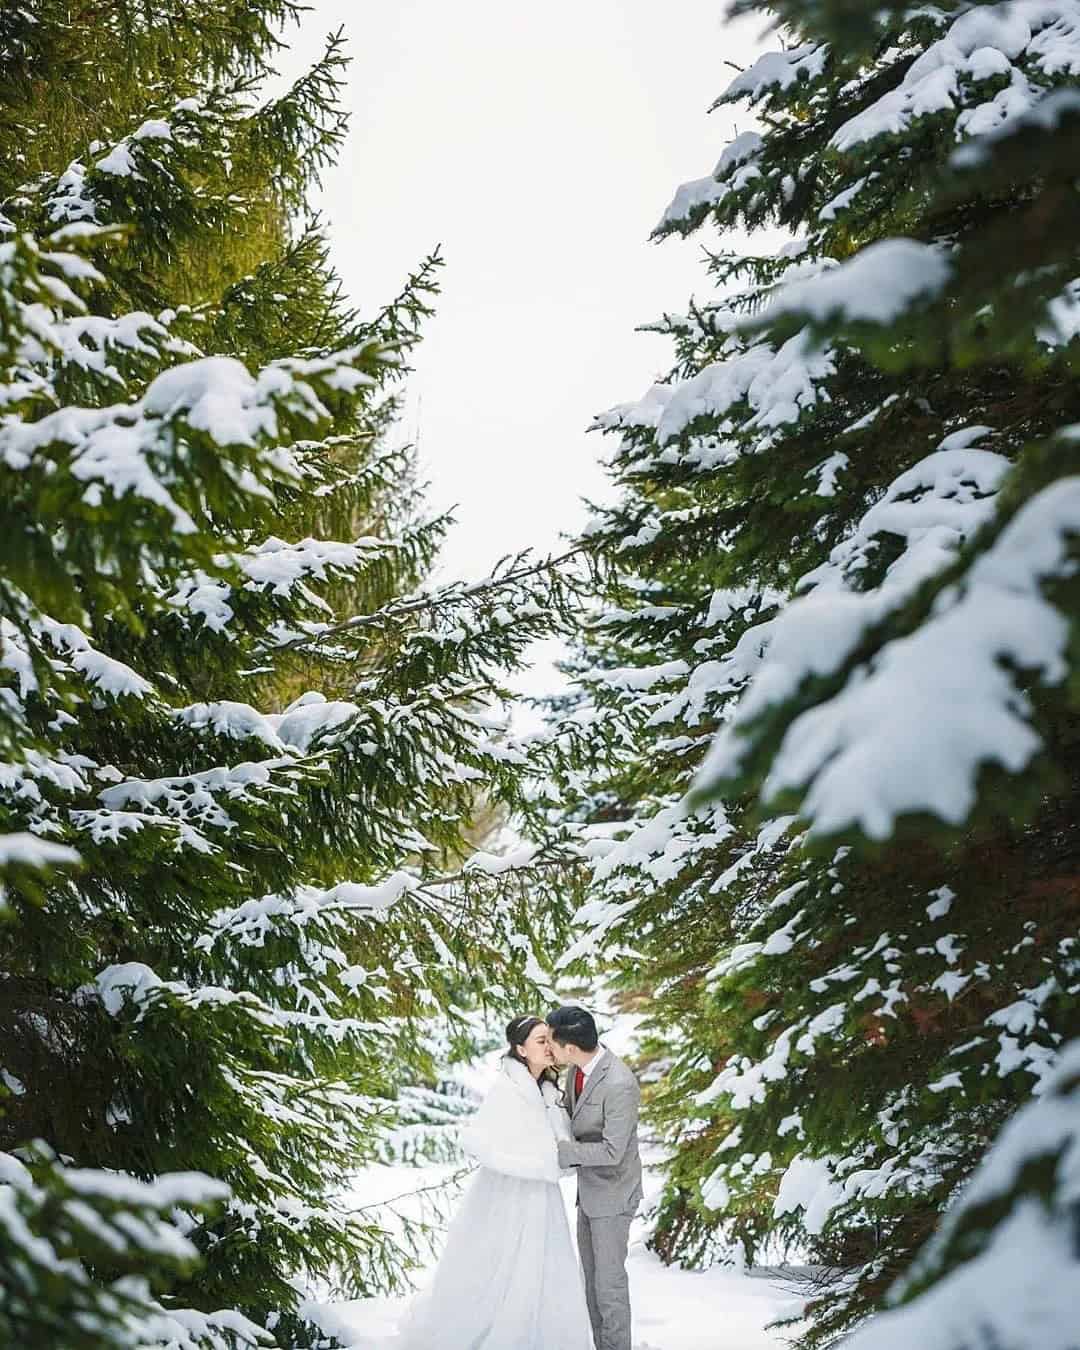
column 604, row 1123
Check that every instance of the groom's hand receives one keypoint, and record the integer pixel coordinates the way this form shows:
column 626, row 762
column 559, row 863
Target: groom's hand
column 620, row 1122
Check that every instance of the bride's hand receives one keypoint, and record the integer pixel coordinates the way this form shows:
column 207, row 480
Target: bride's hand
column 560, row 1124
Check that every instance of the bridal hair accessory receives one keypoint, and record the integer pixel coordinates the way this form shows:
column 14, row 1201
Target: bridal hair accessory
column 519, row 1028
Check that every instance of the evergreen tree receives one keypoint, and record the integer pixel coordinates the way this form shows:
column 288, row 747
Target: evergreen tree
column 824, row 735
column 231, row 905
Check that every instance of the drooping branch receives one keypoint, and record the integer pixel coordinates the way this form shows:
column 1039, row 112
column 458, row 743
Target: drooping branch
column 449, row 595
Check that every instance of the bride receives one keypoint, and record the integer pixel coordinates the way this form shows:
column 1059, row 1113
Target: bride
column 509, row 1278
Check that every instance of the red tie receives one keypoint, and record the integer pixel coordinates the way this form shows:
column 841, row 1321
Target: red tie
column 579, row 1083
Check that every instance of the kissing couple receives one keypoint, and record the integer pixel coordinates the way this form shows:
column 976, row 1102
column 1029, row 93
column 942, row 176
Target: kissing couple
column 508, row 1278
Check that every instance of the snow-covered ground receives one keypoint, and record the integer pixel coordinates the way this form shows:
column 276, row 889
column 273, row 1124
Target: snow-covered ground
column 717, row 1309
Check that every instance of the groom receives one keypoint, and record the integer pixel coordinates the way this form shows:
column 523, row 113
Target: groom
column 602, row 1098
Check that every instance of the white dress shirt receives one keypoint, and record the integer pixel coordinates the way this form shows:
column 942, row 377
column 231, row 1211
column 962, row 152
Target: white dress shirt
column 587, row 1069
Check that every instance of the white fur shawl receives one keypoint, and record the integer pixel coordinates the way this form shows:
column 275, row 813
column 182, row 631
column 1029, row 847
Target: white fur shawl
column 515, row 1129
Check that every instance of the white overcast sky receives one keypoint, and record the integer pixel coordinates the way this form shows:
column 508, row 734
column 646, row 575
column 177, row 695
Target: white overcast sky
column 539, row 145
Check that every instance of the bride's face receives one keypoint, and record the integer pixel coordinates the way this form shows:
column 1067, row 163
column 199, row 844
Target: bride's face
column 536, row 1050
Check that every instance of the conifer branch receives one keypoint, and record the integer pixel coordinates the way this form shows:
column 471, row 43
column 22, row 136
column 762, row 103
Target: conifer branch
column 451, row 595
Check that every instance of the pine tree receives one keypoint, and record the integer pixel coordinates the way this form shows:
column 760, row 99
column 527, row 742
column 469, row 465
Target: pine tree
column 824, row 737
column 228, row 918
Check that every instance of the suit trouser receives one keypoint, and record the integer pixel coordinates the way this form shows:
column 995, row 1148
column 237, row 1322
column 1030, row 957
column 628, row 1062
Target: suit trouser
column 602, row 1245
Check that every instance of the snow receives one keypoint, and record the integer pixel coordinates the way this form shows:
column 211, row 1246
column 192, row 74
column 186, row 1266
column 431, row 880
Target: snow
column 279, row 566
column 911, row 733
column 642, row 677
column 777, row 383
column 125, row 448
column 777, row 70
column 744, row 147
column 79, row 229
column 1023, row 43
column 206, row 597
column 153, row 128
column 808, row 1184
column 128, row 981
column 87, row 340
column 951, row 984
column 877, row 285
column 70, row 203
column 1002, row 27
column 843, row 199
column 821, row 1024
column 659, row 847
column 118, row 162
column 1062, row 314
column 253, row 921
column 308, row 717
column 828, row 472
column 21, row 849
column 495, row 864
column 933, row 507
column 717, row 1309
column 744, row 1082
column 949, row 947
column 15, row 657
column 236, row 721
column 715, row 1192
column 726, row 602
column 187, row 804
column 172, row 1188
column 783, row 939
column 1025, row 1287
column 596, row 917
column 275, row 567
column 215, row 395
column 646, row 412
column 126, row 1215
column 354, row 895
column 1014, row 115
column 14, row 1085
column 104, row 673
column 691, row 197
column 742, row 954
column 75, row 199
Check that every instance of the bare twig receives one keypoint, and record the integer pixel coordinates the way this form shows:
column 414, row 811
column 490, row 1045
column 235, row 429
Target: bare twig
column 422, row 1190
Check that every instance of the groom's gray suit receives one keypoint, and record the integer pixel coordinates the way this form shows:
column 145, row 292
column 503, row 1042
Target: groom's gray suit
column 605, row 1150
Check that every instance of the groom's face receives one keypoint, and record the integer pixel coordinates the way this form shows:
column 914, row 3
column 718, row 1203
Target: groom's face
column 559, row 1052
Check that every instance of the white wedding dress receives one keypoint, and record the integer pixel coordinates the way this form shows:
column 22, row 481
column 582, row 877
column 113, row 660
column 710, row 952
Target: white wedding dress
column 509, row 1277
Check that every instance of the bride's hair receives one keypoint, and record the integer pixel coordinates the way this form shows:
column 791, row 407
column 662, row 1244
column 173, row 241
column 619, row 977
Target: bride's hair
column 518, row 1031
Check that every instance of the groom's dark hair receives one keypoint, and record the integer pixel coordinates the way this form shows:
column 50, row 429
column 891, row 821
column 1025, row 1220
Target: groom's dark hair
column 574, row 1026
